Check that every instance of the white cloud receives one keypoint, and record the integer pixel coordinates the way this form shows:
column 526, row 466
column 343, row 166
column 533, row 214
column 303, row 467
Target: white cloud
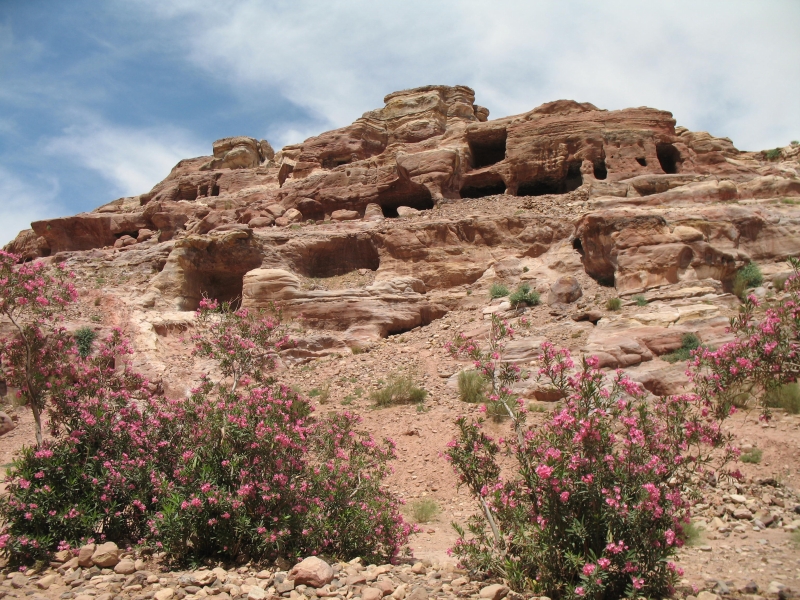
column 22, row 202
column 728, row 66
column 131, row 160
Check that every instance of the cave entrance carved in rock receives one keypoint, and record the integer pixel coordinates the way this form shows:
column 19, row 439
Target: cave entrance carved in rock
column 668, row 158
column 489, row 185
column 337, row 256
column 550, row 184
column 488, row 149
column 418, row 197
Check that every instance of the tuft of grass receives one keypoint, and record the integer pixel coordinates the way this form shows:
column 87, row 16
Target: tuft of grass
column 359, row 350
column 498, row 290
column 789, row 201
column 399, row 389
column 774, row 154
column 749, row 276
column 424, row 510
column 786, row 397
column 752, row 456
column 779, row 281
column 84, row 339
column 322, row 393
column 472, row 387
column 690, row 534
column 525, row 269
column 614, row 304
column 348, row 400
column 640, row 300
column 796, row 537
column 689, row 342
column 524, row 295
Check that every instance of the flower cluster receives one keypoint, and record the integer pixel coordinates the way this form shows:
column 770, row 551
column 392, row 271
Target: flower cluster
column 599, row 498
column 240, row 468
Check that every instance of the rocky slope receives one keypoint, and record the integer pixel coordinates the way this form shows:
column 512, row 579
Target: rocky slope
column 381, row 240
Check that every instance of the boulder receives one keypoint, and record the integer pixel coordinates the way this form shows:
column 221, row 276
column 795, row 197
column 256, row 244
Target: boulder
column 496, row 591
column 564, row 290
column 85, row 555
column 6, row 423
column 406, row 211
column 345, row 215
column 313, row 572
column 373, row 212
column 125, row 567
column 106, row 555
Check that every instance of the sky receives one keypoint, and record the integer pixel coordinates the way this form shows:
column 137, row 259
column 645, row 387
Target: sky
column 99, row 100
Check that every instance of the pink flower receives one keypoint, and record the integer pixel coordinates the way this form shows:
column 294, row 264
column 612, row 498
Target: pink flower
column 588, row 569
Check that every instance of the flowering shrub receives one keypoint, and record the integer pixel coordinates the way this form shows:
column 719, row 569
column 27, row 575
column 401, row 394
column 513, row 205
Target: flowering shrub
column 240, row 468
column 762, row 358
column 598, row 500
column 31, row 297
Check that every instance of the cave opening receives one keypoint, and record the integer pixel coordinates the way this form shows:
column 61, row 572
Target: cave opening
column 642, row 162
column 599, row 168
column 540, row 186
column 419, row 198
column 221, row 286
column 484, row 187
column 488, row 151
column 338, row 256
column 332, row 162
column 578, row 246
column 668, row 158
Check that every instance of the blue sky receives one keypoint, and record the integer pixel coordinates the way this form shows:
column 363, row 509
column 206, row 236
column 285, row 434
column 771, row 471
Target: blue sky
column 100, row 99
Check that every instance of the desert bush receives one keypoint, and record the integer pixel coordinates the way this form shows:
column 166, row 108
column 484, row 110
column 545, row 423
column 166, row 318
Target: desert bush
column 690, row 534
column 424, row 510
column 614, row 304
column 524, row 295
column 32, row 298
column 593, row 509
column 786, row 397
column 689, row 342
column 748, row 276
column 240, row 468
column 498, row 290
column 400, row 388
column 84, row 339
column 752, row 456
column 499, row 375
column 471, row 387
column 640, row 300
column 774, row 154
column 761, row 359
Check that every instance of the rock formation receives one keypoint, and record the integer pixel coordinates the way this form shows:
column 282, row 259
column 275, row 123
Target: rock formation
column 387, row 224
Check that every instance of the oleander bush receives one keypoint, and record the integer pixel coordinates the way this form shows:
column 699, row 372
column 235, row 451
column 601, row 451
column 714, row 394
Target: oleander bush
column 239, row 470
column 591, row 507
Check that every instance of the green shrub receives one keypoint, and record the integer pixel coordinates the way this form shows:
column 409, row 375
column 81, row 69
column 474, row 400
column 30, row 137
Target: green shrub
column 751, row 456
column 774, row 154
column 424, row 510
column 399, row 389
column 84, row 339
column 614, row 304
column 640, row 300
column 472, row 387
column 749, row 276
column 786, row 397
column 239, row 467
column 524, row 295
column 498, row 290
column 322, row 393
column 689, row 342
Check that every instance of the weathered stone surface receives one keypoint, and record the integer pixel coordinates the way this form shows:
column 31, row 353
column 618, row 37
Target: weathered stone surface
column 311, row 571
column 564, row 290
column 496, row 591
column 106, row 555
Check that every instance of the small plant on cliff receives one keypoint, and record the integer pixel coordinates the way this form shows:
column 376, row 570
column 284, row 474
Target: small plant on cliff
column 239, row 468
column 613, row 304
column 32, row 298
column 749, row 276
column 524, row 295
column 593, row 510
column 689, row 342
column 498, row 290
column 640, row 300
column 774, row 154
